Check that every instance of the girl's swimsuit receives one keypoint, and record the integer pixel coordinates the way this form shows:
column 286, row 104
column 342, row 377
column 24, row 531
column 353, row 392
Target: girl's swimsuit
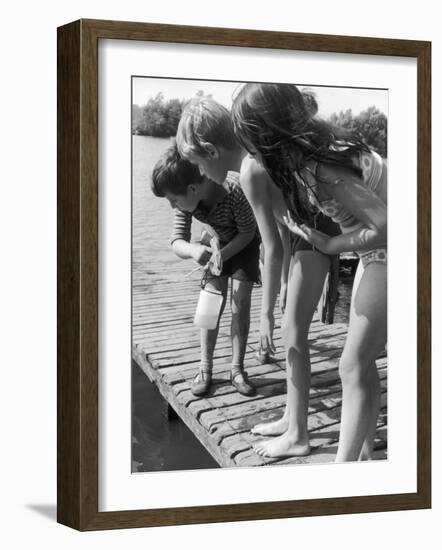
column 322, row 223
column 371, row 165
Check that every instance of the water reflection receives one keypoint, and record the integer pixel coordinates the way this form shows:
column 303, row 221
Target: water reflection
column 160, row 444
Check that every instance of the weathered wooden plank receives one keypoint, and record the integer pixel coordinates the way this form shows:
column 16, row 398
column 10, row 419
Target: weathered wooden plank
column 155, row 302
column 237, row 441
column 320, row 362
column 243, row 422
column 221, row 385
column 163, row 360
column 157, row 353
column 269, row 397
column 179, row 373
column 163, row 313
column 326, row 452
column 221, row 375
column 324, row 438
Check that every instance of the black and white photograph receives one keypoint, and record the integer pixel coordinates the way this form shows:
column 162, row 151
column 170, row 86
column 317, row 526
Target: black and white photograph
column 259, row 274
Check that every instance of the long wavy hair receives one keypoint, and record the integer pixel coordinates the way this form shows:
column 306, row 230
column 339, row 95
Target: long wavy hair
column 280, row 122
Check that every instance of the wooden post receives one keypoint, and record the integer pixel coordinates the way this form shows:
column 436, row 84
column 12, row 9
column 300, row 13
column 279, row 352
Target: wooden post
column 327, row 302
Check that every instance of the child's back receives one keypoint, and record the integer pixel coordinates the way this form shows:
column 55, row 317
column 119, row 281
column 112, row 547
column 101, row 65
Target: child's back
column 231, row 213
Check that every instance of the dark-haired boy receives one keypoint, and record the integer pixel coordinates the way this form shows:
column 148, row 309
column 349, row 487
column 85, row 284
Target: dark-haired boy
column 228, row 215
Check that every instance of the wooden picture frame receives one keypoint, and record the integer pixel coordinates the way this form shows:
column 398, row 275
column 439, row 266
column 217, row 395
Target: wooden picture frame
column 77, row 224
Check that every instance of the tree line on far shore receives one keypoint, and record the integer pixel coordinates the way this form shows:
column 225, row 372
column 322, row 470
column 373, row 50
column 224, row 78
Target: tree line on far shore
column 160, row 118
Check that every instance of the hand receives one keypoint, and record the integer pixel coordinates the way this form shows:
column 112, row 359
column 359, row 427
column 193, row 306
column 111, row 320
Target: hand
column 316, row 238
column 266, row 327
column 215, row 265
column 201, row 254
column 282, row 297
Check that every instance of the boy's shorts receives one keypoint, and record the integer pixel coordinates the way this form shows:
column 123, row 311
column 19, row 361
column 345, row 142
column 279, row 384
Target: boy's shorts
column 244, row 266
column 324, row 224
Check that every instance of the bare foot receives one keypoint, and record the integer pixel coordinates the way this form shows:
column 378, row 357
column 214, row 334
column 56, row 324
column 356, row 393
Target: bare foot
column 278, row 427
column 282, row 446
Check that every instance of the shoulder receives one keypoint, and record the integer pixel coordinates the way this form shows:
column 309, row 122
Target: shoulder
column 180, row 217
column 254, row 178
column 235, row 198
column 251, row 170
column 232, row 184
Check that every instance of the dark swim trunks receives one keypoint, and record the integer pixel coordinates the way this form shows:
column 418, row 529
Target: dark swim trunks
column 322, row 223
column 244, row 266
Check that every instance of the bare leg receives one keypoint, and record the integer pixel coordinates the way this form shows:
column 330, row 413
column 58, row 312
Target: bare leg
column 307, row 275
column 375, row 396
column 375, row 388
column 240, row 303
column 241, row 298
column 367, row 335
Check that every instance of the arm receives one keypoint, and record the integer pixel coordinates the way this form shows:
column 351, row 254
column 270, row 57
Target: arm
column 198, row 252
column 255, row 184
column 238, row 242
column 360, row 201
column 245, row 222
column 180, row 238
column 284, row 234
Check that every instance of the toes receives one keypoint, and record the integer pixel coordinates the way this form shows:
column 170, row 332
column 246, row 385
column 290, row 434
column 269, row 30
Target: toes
column 260, row 429
column 261, row 450
column 256, row 429
column 263, row 453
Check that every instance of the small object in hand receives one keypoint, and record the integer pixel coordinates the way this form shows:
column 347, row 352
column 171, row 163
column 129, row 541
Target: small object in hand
column 216, row 262
column 191, row 272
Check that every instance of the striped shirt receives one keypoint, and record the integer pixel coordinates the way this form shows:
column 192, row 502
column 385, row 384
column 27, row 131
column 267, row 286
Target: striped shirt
column 230, row 216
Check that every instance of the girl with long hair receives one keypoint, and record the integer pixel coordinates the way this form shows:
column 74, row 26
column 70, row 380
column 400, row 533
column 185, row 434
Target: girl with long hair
column 321, row 169
column 206, row 137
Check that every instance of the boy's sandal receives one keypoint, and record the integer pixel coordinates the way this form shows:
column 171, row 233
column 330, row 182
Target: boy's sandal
column 240, row 381
column 201, row 382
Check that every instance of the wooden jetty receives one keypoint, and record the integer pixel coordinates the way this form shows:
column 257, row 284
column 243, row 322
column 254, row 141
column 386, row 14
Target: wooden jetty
column 166, row 347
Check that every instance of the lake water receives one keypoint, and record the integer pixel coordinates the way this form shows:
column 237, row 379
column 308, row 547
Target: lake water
column 160, row 444
column 157, row 443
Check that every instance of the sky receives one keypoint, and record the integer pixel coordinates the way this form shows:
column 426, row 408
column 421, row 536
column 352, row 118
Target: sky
column 330, row 99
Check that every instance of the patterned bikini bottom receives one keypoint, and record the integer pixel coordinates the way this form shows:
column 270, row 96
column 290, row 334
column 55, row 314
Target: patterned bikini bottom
column 375, row 255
